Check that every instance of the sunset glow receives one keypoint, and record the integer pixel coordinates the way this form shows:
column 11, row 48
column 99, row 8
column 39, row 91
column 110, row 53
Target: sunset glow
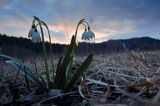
column 108, row 19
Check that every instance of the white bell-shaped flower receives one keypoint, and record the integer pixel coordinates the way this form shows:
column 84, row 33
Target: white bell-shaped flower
column 35, row 35
column 85, row 35
column 88, row 35
column 91, row 34
column 31, row 31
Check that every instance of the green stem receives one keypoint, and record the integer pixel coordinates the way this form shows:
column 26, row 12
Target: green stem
column 50, row 45
column 87, row 24
column 78, row 26
column 51, row 52
column 44, row 52
column 45, row 55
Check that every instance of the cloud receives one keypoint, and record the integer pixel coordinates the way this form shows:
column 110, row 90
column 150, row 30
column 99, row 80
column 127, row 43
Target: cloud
column 108, row 18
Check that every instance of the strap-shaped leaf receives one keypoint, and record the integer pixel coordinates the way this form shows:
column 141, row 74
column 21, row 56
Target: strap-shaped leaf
column 15, row 63
column 58, row 73
column 18, row 61
column 82, row 68
column 58, row 66
column 60, row 78
column 69, row 68
column 30, row 69
column 71, row 49
column 20, row 67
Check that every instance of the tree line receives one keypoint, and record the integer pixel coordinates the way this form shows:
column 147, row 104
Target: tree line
column 25, row 47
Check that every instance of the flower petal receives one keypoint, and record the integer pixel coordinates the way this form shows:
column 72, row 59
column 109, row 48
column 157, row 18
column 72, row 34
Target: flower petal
column 85, row 35
column 36, row 37
column 31, row 31
column 91, row 34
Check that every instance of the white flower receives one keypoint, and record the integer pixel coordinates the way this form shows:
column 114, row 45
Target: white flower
column 91, row 34
column 36, row 37
column 31, row 31
column 85, row 35
column 34, row 34
column 88, row 35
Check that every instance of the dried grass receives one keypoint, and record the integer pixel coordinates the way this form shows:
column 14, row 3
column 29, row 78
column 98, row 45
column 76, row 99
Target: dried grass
column 111, row 80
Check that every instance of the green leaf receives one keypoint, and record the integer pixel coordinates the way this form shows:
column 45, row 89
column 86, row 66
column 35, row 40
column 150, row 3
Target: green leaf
column 18, row 61
column 60, row 78
column 58, row 66
column 16, row 64
column 71, row 48
column 82, row 68
column 58, row 72
column 19, row 67
column 69, row 68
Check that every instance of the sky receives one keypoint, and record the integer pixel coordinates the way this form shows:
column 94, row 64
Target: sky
column 108, row 19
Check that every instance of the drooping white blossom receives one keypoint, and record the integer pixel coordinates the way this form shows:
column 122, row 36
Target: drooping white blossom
column 35, row 35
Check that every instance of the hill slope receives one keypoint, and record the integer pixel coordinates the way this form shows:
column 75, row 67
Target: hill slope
column 14, row 45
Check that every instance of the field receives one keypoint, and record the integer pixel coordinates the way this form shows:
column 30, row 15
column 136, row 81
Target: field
column 118, row 79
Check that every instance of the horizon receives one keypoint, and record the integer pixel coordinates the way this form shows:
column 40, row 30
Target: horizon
column 18, row 37
column 118, row 19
